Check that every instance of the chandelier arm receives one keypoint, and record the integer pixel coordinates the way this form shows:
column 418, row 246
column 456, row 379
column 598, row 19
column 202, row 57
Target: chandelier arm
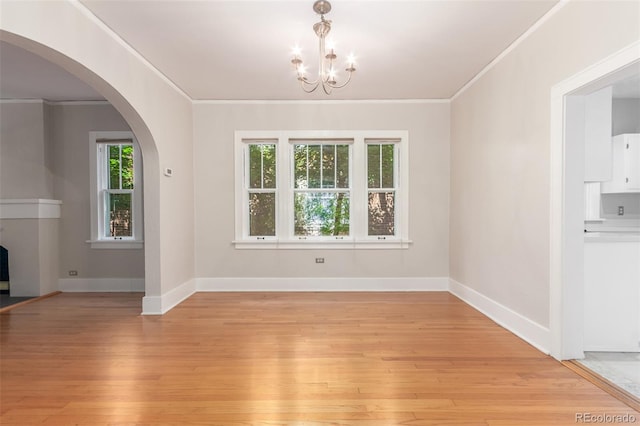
column 315, row 86
column 324, row 87
column 340, row 86
column 310, row 83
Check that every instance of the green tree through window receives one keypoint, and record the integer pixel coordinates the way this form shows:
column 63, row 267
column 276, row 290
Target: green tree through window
column 321, row 190
column 119, row 194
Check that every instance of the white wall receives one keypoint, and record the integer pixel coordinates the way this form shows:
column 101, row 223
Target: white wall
column 44, row 152
column 428, row 126
column 70, row 126
column 500, row 157
column 24, row 154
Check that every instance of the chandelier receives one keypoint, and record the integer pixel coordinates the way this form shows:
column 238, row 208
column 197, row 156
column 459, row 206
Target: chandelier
column 326, row 70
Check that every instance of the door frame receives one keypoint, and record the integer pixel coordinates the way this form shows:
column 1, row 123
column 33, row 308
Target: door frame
column 566, row 257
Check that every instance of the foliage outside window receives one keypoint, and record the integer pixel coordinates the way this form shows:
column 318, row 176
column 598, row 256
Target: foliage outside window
column 381, row 189
column 118, row 217
column 261, row 189
column 321, row 190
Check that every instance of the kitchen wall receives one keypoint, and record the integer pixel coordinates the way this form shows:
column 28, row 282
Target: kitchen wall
column 428, row 126
column 500, row 154
column 625, row 119
column 626, row 116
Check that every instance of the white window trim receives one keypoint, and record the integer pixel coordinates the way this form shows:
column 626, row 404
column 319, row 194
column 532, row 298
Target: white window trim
column 99, row 241
column 358, row 190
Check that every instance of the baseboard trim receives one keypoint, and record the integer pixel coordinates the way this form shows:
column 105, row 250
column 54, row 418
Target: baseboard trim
column 91, row 285
column 159, row 305
column 528, row 330
column 323, row 284
column 531, row 332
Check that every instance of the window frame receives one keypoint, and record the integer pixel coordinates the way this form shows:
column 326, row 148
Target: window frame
column 292, row 190
column 358, row 188
column 99, row 183
column 396, row 180
column 246, row 190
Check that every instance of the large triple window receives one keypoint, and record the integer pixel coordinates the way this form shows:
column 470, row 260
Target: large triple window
column 321, row 189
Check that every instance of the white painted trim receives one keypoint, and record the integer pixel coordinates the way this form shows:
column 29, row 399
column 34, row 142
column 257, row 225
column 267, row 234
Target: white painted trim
column 317, row 102
column 116, row 244
column 54, row 103
column 97, row 176
column 159, row 305
column 530, row 331
column 512, row 46
column 21, row 101
column 116, row 37
column 391, row 244
column 98, row 285
column 30, row 208
column 323, row 284
column 357, row 141
column 565, row 273
column 77, row 103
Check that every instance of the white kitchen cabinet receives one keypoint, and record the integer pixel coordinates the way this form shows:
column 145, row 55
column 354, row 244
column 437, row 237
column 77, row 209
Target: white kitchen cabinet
column 626, row 165
column 597, row 135
column 611, row 295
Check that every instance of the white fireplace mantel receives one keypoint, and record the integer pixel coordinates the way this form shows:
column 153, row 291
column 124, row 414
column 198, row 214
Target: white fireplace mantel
column 30, row 208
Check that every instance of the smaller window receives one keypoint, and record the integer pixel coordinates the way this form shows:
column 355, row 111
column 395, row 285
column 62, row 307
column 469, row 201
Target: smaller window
column 116, row 191
column 260, row 187
column 381, row 188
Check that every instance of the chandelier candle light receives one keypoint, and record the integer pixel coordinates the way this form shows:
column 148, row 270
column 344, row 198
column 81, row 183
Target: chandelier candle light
column 326, row 71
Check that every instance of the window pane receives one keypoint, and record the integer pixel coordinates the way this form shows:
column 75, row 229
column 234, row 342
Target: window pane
column 262, row 214
column 387, row 166
column 300, row 166
column 114, row 166
column 321, row 214
column 314, row 164
column 119, row 215
column 255, row 169
column 342, row 166
column 120, row 166
column 268, row 166
column 373, row 165
column 328, row 166
column 381, row 213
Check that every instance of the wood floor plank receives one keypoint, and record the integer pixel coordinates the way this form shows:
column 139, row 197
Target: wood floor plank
column 364, row 359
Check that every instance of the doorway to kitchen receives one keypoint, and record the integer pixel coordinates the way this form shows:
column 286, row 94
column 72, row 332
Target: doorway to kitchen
column 595, row 219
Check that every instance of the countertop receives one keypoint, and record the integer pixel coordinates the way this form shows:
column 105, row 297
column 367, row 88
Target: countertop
column 612, row 237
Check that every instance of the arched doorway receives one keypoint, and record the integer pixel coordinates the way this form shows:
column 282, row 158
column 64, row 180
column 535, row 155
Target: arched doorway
column 142, row 133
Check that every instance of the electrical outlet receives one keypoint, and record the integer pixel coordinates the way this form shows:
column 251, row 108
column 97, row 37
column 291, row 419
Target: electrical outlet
column 620, row 210
column 319, row 259
column 73, row 273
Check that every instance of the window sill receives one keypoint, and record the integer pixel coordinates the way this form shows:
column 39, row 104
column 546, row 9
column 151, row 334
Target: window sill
column 315, row 245
column 116, row 244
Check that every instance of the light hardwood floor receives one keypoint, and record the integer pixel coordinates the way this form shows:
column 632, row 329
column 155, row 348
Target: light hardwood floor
column 280, row 359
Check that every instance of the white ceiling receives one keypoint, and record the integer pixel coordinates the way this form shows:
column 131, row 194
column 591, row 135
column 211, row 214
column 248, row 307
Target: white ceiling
column 242, row 49
column 215, row 49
